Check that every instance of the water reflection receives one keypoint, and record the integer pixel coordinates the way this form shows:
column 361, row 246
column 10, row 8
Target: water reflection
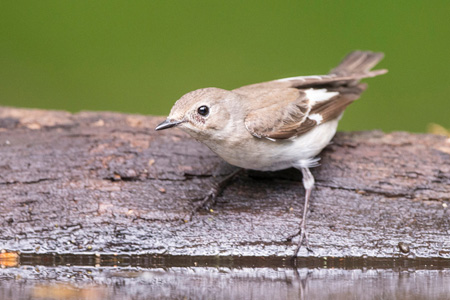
column 224, row 282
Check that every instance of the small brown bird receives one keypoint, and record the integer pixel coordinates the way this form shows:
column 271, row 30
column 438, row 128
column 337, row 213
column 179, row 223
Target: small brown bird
column 277, row 124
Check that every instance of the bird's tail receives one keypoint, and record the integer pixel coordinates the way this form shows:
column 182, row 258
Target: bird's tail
column 359, row 62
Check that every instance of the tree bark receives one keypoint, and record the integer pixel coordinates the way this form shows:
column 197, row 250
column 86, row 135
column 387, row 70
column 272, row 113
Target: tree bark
column 108, row 183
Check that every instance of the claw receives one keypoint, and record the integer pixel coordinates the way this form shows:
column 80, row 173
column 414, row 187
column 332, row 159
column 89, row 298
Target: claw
column 303, row 239
column 211, row 196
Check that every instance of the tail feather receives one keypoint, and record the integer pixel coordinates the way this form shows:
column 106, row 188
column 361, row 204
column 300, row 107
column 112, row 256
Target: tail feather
column 359, row 62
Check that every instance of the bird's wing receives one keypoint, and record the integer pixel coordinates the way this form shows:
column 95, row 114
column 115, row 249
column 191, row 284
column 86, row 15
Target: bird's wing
column 277, row 112
column 311, row 107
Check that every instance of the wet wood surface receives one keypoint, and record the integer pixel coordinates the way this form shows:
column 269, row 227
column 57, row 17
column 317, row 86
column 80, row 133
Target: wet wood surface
column 108, row 183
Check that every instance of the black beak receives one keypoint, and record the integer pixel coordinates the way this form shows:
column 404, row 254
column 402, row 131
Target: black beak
column 167, row 124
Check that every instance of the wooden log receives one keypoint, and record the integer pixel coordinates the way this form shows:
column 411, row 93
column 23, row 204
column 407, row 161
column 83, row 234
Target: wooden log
column 108, row 183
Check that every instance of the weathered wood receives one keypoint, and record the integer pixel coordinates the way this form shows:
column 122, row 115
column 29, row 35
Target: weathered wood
column 108, row 183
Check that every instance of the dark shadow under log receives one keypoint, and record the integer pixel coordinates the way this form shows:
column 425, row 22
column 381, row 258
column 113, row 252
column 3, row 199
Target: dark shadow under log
column 108, row 183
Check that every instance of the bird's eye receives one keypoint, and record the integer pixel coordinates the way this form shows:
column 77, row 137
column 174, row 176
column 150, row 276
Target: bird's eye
column 203, row 110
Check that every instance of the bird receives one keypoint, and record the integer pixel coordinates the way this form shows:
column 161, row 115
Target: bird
column 276, row 124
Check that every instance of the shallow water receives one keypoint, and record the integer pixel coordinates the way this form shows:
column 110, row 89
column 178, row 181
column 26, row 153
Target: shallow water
column 171, row 277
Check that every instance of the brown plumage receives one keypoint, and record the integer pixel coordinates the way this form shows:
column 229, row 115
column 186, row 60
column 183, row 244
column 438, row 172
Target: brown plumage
column 288, row 115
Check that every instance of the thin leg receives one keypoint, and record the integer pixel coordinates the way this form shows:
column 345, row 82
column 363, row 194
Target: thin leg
column 308, row 184
column 210, row 198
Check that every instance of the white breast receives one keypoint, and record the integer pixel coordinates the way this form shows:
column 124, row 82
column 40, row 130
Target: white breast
column 265, row 155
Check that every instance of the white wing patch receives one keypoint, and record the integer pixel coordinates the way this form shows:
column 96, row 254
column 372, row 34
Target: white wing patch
column 270, row 139
column 318, row 95
column 316, row 117
column 304, row 78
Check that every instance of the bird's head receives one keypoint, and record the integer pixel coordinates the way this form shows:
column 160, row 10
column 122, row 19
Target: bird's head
column 203, row 113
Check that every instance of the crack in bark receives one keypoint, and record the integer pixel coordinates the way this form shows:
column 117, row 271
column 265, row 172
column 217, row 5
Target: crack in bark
column 386, row 194
column 28, row 181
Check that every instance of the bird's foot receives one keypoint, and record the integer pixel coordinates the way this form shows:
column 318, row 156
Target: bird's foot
column 302, row 241
column 308, row 184
column 208, row 201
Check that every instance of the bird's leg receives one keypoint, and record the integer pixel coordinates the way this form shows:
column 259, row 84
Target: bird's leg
column 308, row 184
column 211, row 196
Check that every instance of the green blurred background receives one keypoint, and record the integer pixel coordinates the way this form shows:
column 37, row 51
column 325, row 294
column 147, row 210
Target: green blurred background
column 141, row 56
